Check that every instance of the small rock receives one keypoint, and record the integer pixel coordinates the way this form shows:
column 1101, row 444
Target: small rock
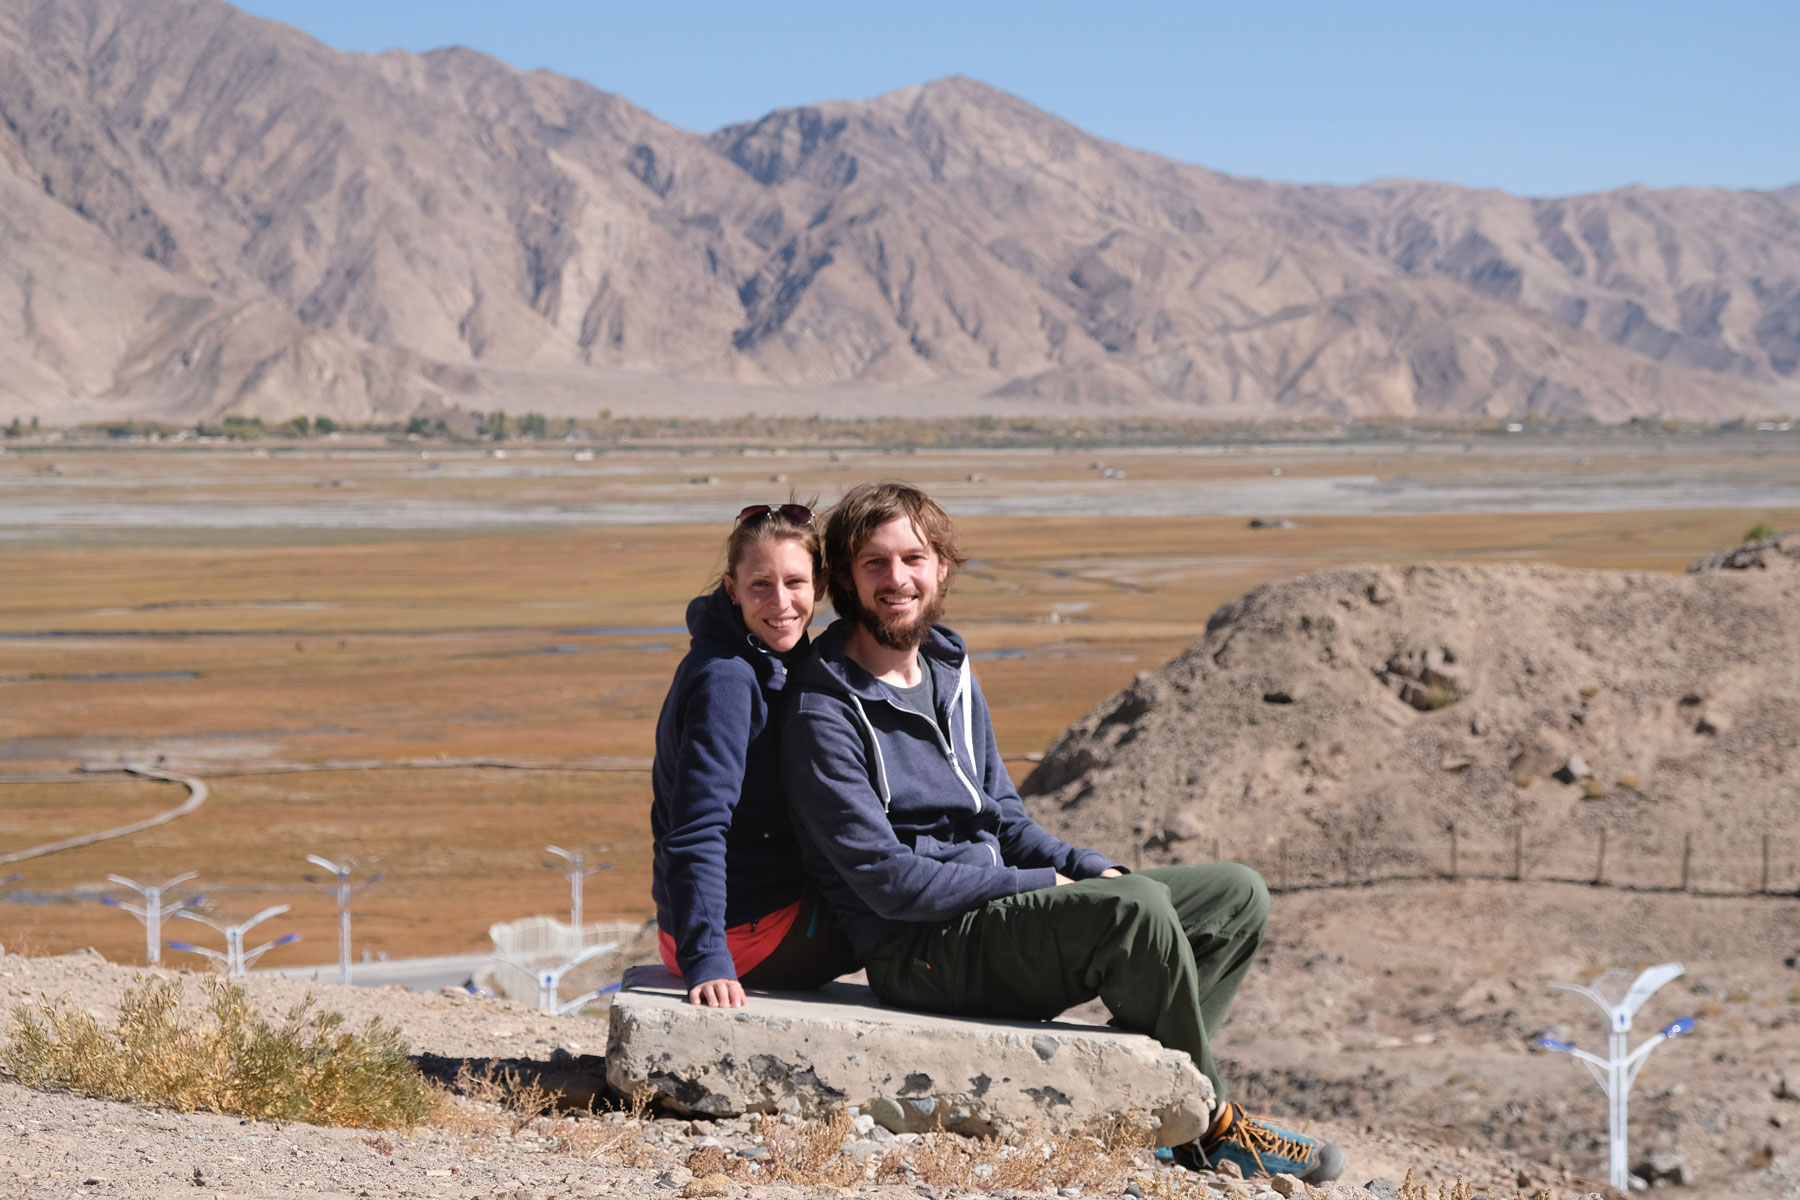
column 1573, row 771
column 753, row 1152
column 1132, row 1189
column 1287, row 1186
column 864, row 1125
column 1788, row 1086
column 1385, row 1189
column 1229, row 1168
column 1665, row 1168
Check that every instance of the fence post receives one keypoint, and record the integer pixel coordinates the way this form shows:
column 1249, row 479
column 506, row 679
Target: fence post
column 1600, row 863
column 1765, row 871
column 1687, row 855
column 1518, row 852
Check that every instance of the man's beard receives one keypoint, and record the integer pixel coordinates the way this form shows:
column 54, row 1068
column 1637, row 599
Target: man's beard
column 904, row 636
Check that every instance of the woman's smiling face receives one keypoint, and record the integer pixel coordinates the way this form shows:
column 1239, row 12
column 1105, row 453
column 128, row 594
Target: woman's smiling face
column 773, row 585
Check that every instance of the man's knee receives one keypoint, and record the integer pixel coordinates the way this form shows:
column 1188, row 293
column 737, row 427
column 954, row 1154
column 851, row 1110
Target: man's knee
column 1247, row 894
column 1140, row 902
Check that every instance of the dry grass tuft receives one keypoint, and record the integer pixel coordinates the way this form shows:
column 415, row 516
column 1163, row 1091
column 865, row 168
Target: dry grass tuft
column 810, row 1153
column 307, row 1068
column 1412, row 1189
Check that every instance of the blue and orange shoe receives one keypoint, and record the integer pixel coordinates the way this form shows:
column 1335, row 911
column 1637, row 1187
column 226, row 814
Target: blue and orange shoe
column 1259, row 1148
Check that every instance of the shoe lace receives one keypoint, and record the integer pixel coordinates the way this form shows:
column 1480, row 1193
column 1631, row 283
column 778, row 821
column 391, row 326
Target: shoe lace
column 1260, row 1139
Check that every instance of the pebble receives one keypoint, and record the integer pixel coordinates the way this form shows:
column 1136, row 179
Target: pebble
column 863, row 1124
column 753, row 1152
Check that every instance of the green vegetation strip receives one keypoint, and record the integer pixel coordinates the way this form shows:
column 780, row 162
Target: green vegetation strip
column 306, row 1068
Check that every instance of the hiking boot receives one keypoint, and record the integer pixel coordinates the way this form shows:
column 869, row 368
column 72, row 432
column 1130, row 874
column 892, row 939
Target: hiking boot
column 1259, row 1148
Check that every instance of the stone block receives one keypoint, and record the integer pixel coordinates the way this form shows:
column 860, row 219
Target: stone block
column 817, row 1052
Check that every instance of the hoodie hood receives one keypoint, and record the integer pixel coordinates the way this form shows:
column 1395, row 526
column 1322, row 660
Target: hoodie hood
column 715, row 620
column 943, row 653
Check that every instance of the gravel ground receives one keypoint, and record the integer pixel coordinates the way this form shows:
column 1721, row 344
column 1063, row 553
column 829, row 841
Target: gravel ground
column 53, row 1144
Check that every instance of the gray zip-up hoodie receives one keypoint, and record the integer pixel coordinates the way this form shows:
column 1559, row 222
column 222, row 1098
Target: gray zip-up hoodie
column 904, row 816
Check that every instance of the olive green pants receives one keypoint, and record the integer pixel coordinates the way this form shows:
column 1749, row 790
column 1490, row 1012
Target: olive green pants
column 1164, row 949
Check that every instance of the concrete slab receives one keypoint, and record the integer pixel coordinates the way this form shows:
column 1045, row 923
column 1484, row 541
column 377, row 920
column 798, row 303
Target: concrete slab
column 816, row 1052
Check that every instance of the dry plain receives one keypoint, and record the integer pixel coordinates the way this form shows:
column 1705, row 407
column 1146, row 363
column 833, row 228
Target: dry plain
column 253, row 615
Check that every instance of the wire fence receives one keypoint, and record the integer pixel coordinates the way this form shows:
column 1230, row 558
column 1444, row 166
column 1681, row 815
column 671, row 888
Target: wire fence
column 1711, row 864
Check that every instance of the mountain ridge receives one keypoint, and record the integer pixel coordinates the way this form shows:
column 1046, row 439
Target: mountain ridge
column 370, row 236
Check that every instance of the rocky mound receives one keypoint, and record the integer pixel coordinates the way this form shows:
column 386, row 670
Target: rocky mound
column 1371, row 707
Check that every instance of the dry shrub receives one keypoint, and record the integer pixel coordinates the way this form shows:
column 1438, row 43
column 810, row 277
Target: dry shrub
column 1412, row 1189
column 499, row 1102
column 620, row 1142
column 711, row 1160
column 810, row 1154
column 307, row 1068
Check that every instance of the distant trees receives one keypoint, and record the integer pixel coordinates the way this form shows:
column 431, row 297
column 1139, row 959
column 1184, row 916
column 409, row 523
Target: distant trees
column 496, row 426
column 307, row 427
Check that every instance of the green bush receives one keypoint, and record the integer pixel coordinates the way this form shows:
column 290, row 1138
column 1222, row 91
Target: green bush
column 307, row 1068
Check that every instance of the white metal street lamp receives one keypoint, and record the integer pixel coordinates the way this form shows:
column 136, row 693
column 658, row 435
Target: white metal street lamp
column 577, row 875
column 237, row 960
column 549, row 979
column 1619, row 1069
column 345, row 889
column 152, row 911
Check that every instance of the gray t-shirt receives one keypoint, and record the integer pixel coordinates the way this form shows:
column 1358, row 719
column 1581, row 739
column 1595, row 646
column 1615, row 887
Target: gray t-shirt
column 921, row 698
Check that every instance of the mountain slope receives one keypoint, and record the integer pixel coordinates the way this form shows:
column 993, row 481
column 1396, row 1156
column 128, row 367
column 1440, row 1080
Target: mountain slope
column 225, row 215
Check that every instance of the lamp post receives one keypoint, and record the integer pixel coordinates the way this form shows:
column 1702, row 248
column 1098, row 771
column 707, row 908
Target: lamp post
column 577, row 875
column 549, row 979
column 345, row 889
column 237, row 960
column 1619, row 1069
column 152, row 911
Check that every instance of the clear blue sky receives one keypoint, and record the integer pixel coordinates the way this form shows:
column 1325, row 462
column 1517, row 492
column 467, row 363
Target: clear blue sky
column 1534, row 97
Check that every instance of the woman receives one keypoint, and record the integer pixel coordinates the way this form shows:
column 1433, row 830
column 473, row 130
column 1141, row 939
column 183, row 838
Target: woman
column 732, row 904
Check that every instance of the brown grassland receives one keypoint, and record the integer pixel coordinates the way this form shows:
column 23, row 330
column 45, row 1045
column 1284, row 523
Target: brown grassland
column 261, row 651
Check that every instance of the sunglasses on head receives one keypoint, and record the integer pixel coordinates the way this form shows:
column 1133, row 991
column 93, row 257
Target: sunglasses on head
column 796, row 514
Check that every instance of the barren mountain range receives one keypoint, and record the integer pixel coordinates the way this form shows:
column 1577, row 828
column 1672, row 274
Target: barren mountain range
column 204, row 213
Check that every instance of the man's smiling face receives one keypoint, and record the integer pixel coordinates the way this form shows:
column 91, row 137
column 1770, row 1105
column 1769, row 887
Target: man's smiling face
column 899, row 585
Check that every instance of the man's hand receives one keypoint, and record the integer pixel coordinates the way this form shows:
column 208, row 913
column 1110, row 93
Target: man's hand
column 1112, row 873
column 717, row 993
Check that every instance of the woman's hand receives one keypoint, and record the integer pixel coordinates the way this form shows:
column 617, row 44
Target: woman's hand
column 1112, row 873
column 717, row 993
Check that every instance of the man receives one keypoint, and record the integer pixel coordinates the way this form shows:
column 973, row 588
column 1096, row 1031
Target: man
column 959, row 902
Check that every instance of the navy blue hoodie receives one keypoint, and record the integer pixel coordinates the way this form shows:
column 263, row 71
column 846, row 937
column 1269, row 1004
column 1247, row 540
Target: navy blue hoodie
column 725, row 853
column 904, row 817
